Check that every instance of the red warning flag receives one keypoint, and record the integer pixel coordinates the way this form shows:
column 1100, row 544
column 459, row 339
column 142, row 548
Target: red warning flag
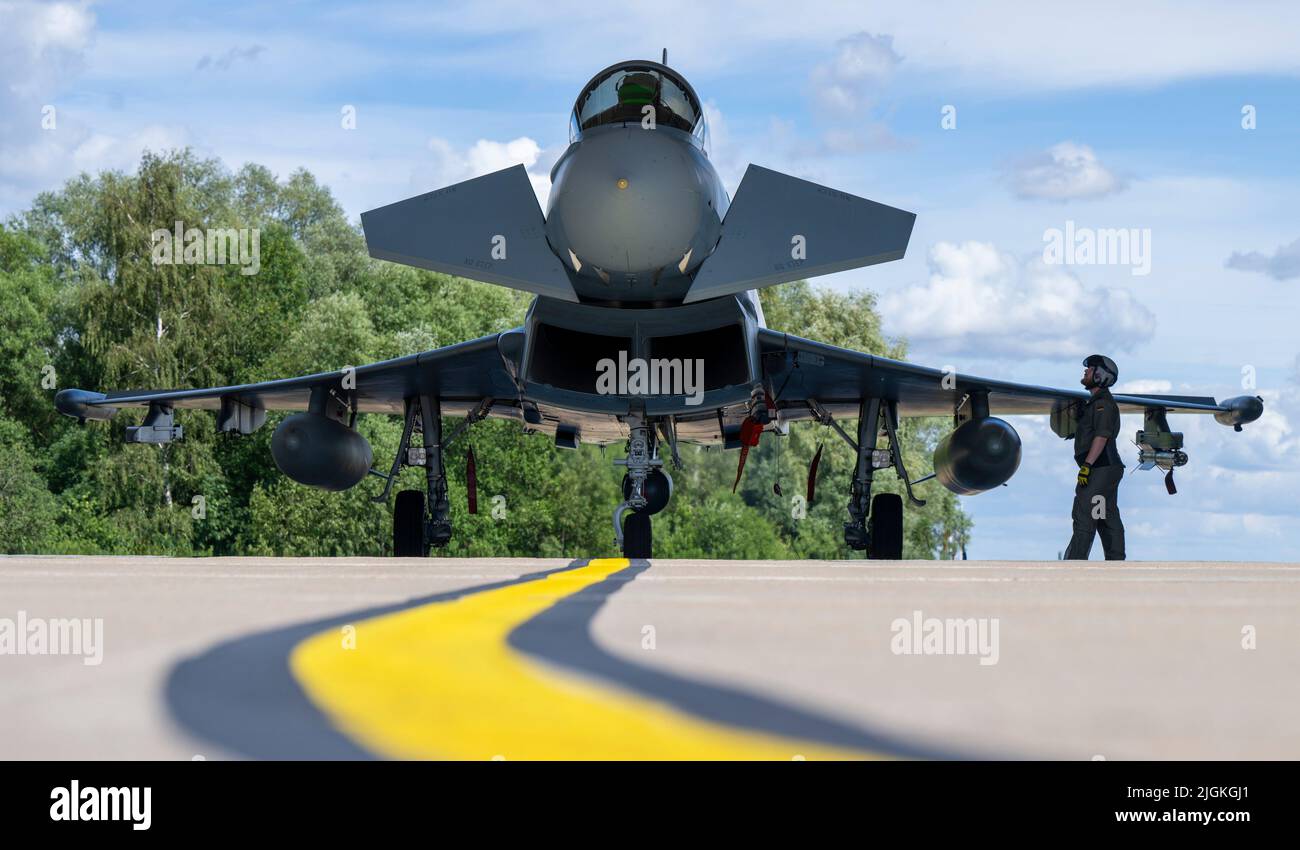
column 812, row 472
column 750, row 430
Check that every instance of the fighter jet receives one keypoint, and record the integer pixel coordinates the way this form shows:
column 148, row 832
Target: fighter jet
column 645, row 330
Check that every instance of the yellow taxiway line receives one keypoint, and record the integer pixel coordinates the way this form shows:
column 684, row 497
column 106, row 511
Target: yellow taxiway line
column 440, row 681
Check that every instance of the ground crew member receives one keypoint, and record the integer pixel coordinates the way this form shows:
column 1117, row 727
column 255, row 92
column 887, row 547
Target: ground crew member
column 1100, row 468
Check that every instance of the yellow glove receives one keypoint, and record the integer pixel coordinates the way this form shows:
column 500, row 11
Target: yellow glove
column 1083, row 474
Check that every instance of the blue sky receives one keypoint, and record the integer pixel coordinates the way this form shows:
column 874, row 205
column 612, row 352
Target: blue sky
column 1109, row 115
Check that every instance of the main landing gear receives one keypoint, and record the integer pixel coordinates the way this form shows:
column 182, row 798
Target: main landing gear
column 421, row 519
column 875, row 524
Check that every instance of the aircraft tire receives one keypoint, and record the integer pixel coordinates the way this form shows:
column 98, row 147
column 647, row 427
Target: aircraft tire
column 886, row 527
column 408, row 525
column 637, row 535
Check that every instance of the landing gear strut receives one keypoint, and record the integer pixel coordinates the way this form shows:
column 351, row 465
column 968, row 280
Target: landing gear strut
column 875, row 524
column 420, row 519
column 856, row 533
column 647, row 489
column 437, row 520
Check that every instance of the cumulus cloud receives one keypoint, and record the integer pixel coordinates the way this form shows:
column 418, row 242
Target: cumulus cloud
column 1145, row 386
column 850, row 81
column 845, row 90
column 98, row 151
column 42, row 47
column 1064, row 172
column 1282, row 264
column 42, row 53
column 451, row 164
column 982, row 302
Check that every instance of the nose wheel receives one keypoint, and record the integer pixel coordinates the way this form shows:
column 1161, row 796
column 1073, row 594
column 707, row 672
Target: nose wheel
column 632, row 523
column 647, row 489
column 637, row 535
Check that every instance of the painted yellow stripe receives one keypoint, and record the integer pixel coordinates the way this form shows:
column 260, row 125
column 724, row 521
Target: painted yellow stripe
column 440, row 681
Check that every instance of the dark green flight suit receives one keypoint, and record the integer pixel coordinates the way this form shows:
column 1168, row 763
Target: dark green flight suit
column 1098, row 417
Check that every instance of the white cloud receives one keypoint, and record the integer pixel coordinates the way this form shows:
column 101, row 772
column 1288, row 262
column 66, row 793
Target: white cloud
column 99, row 151
column 1066, row 171
column 1282, row 264
column 846, row 90
column 40, row 44
column 453, row 165
column 1145, row 386
column 850, row 81
column 41, row 48
column 42, row 51
column 983, row 302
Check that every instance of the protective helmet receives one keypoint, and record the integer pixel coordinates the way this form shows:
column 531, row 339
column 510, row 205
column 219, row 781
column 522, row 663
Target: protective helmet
column 1105, row 373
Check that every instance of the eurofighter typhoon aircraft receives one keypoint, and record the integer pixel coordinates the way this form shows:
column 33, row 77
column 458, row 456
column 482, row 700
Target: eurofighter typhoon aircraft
column 645, row 330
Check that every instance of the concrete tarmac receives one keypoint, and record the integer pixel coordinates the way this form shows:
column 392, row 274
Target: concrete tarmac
column 215, row 658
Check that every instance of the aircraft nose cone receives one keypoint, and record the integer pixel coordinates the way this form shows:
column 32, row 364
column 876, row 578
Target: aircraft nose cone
column 628, row 202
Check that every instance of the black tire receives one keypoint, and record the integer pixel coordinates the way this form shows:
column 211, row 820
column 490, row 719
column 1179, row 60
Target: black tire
column 886, row 527
column 636, row 535
column 658, row 490
column 408, row 525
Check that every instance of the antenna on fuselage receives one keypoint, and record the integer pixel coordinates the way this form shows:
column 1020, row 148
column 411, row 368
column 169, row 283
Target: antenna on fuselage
column 664, row 61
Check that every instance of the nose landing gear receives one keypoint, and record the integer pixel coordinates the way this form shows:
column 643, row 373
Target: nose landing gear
column 647, row 488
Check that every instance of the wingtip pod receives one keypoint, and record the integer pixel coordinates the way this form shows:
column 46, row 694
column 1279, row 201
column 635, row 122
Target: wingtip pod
column 1240, row 410
column 81, row 404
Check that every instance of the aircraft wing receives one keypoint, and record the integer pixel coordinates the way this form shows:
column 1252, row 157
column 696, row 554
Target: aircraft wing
column 780, row 228
column 489, row 228
column 461, row 376
column 801, row 370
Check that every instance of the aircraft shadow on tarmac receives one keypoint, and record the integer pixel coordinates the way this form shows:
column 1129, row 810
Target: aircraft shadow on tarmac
column 241, row 696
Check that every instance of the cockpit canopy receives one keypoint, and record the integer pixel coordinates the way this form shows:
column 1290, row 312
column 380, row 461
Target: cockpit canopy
column 621, row 93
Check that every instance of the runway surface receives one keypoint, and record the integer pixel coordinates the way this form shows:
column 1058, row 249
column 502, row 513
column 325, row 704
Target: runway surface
column 537, row 659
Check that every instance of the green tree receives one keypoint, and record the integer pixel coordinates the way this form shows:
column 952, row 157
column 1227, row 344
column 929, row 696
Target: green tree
column 28, row 510
column 28, row 299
